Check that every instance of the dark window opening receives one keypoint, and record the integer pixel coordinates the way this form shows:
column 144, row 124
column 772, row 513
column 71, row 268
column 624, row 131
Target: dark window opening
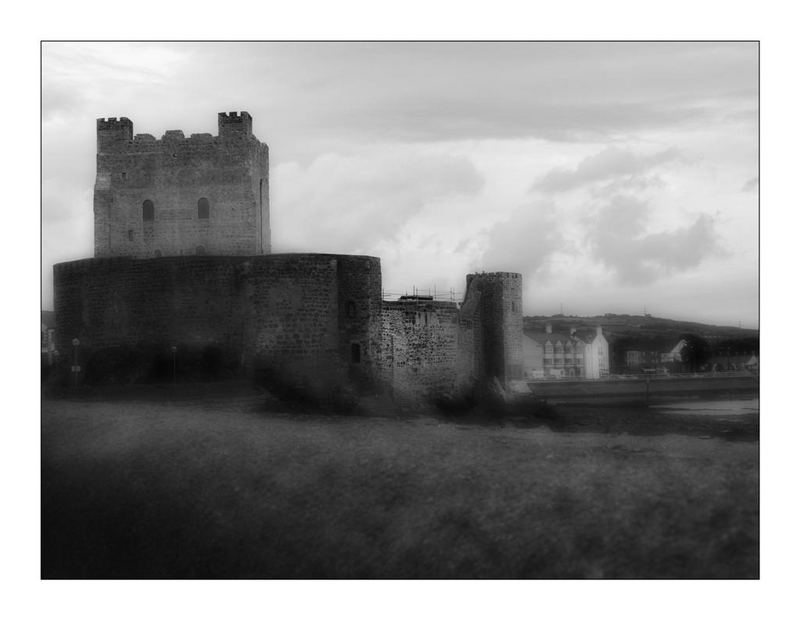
column 202, row 208
column 351, row 310
column 148, row 211
column 355, row 353
column 124, row 176
column 130, row 234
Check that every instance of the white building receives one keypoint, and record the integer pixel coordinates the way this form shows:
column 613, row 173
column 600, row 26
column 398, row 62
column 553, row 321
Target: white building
column 596, row 355
column 555, row 355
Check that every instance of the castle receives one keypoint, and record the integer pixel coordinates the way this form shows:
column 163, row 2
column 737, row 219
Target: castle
column 183, row 264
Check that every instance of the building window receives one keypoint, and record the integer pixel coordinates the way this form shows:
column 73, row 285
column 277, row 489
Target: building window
column 355, row 353
column 200, row 250
column 130, row 234
column 202, row 208
column 351, row 310
column 148, row 211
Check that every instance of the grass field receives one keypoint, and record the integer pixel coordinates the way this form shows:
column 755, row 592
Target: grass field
column 221, row 488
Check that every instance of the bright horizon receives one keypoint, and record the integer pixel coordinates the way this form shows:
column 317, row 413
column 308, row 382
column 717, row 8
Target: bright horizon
column 613, row 176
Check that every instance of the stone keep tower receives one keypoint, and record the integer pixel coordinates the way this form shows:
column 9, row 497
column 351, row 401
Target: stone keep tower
column 181, row 196
column 499, row 353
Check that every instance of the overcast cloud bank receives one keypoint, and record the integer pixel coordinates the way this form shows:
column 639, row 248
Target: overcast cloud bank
column 613, row 176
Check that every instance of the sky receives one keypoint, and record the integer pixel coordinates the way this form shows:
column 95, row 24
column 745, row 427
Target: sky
column 616, row 177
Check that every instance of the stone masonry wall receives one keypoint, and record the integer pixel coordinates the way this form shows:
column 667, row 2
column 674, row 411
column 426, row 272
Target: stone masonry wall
column 277, row 311
column 317, row 319
column 420, row 347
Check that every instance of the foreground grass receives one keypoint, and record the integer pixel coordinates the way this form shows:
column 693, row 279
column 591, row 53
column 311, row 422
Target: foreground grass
column 219, row 490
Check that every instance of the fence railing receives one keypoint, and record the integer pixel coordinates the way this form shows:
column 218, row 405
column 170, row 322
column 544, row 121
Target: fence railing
column 654, row 376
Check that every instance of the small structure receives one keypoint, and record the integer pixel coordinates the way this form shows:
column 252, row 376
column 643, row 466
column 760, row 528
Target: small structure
column 661, row 356
column 732, row 363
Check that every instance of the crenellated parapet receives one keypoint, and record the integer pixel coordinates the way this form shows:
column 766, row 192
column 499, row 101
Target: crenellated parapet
column 235, row 124
column 116, row 134
column 113, row 131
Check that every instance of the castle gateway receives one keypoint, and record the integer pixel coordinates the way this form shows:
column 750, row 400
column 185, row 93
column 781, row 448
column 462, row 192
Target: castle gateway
column 183, row 271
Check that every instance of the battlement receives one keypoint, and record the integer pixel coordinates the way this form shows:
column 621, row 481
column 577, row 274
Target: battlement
column 112, row 123
column 171, row 140
column 171, row 135
column 202, row 144
column 234, row 124
column 495, row 275
column 235, row 117
column 116, row 134
column 112, row 130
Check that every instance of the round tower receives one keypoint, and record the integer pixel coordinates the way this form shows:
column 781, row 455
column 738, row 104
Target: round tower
column 501, row 323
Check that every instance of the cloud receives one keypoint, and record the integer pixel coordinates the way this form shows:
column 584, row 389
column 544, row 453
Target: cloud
column 750, row 185
column 79, row 76
column 617, row 238
column 445, row 118
column 427, row 92
column 371, row 144
column 618, row 165
column 627, row 185
column 526, row 242
column 347, row 203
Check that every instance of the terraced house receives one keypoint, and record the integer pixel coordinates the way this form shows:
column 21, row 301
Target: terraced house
column 579, row 354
